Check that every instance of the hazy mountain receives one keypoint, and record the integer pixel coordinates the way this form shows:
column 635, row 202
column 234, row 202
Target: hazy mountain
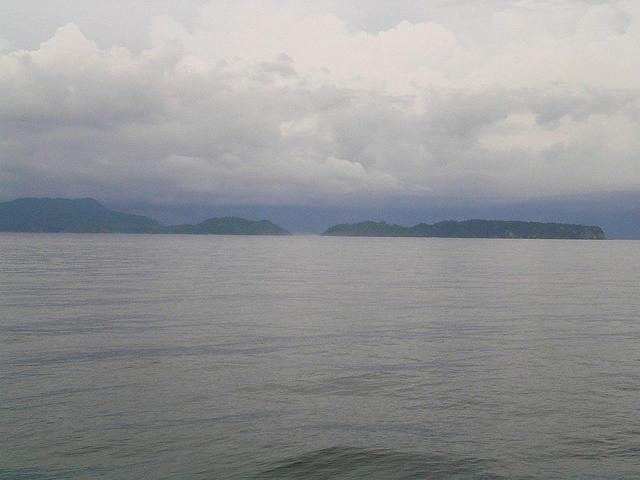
column 85, row 215
column 82, row 215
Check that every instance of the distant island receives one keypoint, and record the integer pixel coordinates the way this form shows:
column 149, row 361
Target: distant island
column 86, row 215
column 229, row 226
column 470, row 229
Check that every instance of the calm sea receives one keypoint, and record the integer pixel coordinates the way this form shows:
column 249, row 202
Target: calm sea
column 176, row 357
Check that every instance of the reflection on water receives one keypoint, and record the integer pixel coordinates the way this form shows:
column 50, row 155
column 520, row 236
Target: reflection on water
column 125, row 356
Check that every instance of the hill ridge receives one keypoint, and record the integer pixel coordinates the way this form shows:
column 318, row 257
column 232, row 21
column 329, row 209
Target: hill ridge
column 87, row 215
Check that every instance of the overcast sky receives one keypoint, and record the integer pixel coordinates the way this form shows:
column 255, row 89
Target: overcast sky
column 306, row 102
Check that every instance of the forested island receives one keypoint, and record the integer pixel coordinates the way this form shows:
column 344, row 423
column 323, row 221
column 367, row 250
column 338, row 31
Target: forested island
column 470, row 229
column 86, row 215
column 229, row 226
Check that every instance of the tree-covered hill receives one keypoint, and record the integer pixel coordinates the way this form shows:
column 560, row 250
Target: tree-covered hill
column 470, row 229
column 85, row 215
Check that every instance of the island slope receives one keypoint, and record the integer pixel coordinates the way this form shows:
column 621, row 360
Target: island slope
column 470, row 229
column 86, row 215
column 81, row 215
column 229, row 226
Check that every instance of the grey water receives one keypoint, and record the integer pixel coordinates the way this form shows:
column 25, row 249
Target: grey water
column 175, row 357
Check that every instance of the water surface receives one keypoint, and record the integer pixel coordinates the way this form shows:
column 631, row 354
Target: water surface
column 172, row 357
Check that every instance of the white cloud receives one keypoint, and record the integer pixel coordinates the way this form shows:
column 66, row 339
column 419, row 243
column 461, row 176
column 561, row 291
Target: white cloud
column 263, row 101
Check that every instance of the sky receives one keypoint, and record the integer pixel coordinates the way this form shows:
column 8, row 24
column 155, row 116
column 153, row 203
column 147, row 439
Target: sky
column 334, row 105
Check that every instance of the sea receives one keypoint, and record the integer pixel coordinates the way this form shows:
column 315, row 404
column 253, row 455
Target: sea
column 307, row 357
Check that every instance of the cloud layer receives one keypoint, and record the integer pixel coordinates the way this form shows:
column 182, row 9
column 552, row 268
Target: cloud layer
column 267, row 102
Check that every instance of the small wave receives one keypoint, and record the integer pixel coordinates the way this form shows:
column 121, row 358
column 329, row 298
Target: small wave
column 358, row 463
column 35, row 474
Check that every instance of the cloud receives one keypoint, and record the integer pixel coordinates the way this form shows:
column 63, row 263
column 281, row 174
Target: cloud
column 264, row 102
